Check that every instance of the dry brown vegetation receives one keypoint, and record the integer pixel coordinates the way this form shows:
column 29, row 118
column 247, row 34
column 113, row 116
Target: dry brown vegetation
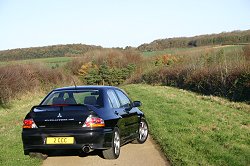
column 18, row 79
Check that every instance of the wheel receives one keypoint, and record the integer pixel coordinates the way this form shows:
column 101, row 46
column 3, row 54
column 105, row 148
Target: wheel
column 114, row 151
column 143, row 132
column 38, row 155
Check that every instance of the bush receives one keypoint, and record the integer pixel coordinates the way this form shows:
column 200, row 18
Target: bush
column 222, row 72
column 113, row 58
column 235, row 85
column 18, row 79
column 109, row 66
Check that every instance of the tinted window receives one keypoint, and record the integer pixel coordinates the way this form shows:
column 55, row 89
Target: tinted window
column 125, row 102
column 113, row 99
column 69, row 97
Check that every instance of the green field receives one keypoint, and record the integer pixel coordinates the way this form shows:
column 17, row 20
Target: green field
column 193, row 129
column 50, row 62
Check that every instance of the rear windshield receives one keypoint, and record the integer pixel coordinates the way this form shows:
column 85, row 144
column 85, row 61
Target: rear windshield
column 73, row 97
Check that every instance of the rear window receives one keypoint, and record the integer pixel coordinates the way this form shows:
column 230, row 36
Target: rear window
column 74, row 97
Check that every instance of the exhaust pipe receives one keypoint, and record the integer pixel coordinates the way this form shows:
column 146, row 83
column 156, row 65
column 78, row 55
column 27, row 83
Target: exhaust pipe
column 86, row 149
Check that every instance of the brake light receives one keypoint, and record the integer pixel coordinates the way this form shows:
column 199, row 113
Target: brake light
column 92, row 121
column 28, row 124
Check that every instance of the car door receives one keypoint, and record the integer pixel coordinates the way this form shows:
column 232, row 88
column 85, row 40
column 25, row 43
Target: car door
column 132, row 119
column 116, row 109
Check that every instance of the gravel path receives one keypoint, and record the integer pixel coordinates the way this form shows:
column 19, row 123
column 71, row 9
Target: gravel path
column 146, row 154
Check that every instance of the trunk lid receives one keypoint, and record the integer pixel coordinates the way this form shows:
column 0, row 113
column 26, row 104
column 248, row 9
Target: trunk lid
column 60, row 117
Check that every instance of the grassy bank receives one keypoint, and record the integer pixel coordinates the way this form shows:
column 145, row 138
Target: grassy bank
column 195, row 130
column 11, row 118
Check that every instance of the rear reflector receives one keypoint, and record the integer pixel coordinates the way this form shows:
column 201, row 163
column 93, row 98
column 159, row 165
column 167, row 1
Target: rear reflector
column 28, row 124
column 94, row 122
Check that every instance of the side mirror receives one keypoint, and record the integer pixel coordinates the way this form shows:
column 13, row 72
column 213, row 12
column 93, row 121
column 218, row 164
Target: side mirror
column 137, row 104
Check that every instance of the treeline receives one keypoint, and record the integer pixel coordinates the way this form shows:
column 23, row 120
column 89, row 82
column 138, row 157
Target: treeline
column 234, row 37
column 45, row 52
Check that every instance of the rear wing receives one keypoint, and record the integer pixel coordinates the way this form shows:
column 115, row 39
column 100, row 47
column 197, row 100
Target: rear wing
column 60, row 107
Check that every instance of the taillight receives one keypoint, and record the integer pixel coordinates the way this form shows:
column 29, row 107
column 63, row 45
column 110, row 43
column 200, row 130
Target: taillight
column 29, row 123
column 93, row 121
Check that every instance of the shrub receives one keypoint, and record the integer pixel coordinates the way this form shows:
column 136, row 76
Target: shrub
column 18, row 79
column 92, row 74
column 211, row 72
column 109, row 66
column 113, row 58
column 234, row 85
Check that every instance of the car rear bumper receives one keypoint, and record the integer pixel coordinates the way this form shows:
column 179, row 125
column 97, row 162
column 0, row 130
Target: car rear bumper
column 34, row 140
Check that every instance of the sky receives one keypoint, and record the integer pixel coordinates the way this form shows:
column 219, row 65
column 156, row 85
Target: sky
column 115, row 23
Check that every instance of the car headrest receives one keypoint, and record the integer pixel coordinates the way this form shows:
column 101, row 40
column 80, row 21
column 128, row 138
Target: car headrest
column 90, row 100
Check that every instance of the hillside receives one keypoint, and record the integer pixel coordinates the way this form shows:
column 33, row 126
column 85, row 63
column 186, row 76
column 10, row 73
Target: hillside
column 69, row 50
column 224, row 38
column 46, row 52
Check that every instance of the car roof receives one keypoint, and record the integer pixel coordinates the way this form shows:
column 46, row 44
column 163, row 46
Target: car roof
column 98, row 87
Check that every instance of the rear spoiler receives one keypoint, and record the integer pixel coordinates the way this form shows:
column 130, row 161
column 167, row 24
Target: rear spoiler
column 57, row 107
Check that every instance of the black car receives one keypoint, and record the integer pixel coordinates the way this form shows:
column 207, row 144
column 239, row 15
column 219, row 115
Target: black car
column 84, row 118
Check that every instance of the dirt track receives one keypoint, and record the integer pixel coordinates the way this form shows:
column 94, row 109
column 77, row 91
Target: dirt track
column 146, row 154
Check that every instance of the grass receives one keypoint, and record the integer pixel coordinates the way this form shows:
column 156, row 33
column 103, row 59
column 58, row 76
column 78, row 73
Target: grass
column 11, row 151
column 50, row 62
column 193, row 129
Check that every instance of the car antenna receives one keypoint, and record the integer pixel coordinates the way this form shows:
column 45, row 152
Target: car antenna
column 74, row 83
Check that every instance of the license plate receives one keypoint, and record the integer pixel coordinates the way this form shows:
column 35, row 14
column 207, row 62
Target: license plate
column 60, row 140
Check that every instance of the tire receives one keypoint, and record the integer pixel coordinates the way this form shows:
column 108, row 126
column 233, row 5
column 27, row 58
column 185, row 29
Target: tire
column 114, row 151
column 38, row 155
column 143, row 132
column 26, row 152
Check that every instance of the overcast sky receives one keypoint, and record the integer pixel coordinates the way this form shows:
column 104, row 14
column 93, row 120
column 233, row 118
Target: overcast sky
column 115, row 23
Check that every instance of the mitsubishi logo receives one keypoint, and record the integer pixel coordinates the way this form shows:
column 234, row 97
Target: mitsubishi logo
column 59, row 115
